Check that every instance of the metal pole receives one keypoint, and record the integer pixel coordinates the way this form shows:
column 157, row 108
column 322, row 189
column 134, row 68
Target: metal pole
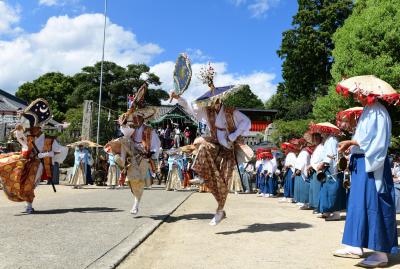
column 101, row 70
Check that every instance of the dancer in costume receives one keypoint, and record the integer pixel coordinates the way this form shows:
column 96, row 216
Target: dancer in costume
column 216, row 153
column 290, row 161
column 20, row 173
column 135, row 151
column 371, row 215
column 332, row 193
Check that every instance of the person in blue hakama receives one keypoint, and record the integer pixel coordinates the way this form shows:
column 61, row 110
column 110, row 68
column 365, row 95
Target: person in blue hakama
column 289, row 172
column 315, row 184
column 272, row 180
column 371, row 214
column 259, row 169
column 264, row 179
column 332, row 194
column 303, row 186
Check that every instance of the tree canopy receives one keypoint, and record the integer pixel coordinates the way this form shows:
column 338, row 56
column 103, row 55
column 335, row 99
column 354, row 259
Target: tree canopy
column 369, row 44
column 55, row 87
column 244, row 98
column 68, row 92
column 306, row 50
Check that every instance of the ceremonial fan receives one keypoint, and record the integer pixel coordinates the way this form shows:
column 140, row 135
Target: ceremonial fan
column 182, row 74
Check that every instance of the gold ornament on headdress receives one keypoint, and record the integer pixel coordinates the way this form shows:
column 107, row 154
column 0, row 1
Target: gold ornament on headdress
column 206, row 75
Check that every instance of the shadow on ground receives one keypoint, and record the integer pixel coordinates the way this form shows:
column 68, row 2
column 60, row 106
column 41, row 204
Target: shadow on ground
column 76, row 210
column 171, row 219
column 273, row 227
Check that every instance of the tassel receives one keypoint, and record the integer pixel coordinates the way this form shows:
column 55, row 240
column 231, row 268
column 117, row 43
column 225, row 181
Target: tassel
column 371, row 99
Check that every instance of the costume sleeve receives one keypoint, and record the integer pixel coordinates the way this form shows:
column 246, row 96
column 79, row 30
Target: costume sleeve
column 198, row 112
column 60, row 152
column 330, row 150
column 243, row 125
column 373, row 136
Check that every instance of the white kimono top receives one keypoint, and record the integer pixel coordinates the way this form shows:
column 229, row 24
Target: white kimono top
column 330, row 154
column 154, row 143
column 317, row 156
column 269, row 166
column 373, row 134
column 242, row 122
column 291, row 160
column 302, row 161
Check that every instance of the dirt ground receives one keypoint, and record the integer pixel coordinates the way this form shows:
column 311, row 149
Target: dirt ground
column 257, row 233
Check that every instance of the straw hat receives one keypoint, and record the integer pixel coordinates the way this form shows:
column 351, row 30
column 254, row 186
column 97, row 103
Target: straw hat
column 145, row 113
column 347, row 119
column 325, row 128
column 369, row 87
column 221, row 93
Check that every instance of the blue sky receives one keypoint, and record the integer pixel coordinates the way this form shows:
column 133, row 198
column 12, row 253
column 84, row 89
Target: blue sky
column 239, row 36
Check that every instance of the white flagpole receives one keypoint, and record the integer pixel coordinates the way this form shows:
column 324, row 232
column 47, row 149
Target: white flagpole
column 101, row 70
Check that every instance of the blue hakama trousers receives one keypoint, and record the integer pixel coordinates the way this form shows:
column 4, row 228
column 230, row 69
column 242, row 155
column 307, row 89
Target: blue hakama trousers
column 272, row 185
column 296, row 195
column 288, row 187
column 332, row 195
column 259, row 178
column 371, row 216
column 304, row 190
column 315, row 188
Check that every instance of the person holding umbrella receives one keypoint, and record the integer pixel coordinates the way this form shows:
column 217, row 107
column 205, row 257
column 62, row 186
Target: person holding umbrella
column 371, row 213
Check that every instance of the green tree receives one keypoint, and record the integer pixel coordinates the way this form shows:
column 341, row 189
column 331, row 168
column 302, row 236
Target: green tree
column 244, row 98
column 289, row 109
column 369, row 43
column 326, row 107
column 306, row 50
column 118, row 83
column 286, row 130
column 54, row 87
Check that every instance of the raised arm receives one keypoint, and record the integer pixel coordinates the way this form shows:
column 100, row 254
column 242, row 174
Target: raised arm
column 198, row 112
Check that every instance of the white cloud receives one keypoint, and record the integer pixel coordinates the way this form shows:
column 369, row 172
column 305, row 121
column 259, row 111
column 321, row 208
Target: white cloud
column 257, row 8
column 9, row 16
column 261, row 83
column 67, row 44
column 48, row 2
column 197, row 55
column 238, row 2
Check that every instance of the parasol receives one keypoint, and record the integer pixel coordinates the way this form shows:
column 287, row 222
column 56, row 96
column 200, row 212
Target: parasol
column 85, row 143
column 369, row 87
column 347, row 119
column 325, row 128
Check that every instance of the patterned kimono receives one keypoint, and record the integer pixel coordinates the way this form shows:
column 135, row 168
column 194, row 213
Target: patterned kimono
column 21, row 172
column 215, row 160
